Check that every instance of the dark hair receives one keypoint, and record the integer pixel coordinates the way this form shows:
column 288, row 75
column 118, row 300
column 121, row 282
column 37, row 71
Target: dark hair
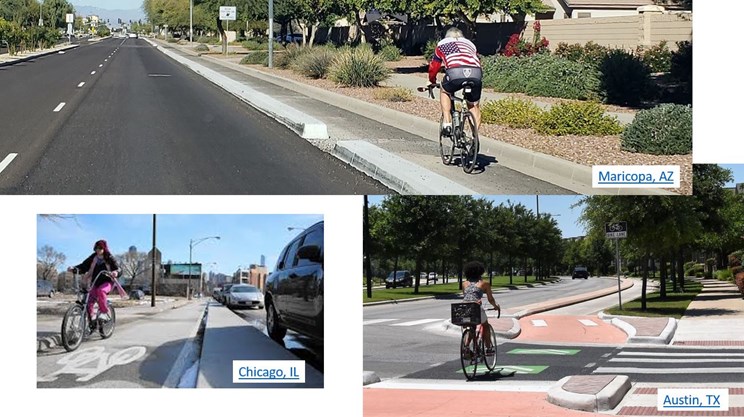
column 473, row 270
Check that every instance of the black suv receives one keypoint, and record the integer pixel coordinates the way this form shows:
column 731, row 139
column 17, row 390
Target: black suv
column 402, row 279
column 580, row 272
column 293, row 294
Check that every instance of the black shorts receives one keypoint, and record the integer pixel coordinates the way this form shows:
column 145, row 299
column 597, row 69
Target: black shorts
column 456, row 78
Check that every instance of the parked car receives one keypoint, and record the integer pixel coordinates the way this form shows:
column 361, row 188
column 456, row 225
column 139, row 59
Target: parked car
column 44, row 288
column 223, row 292
column 580, row 272
column 401, row 279
column 216, row 294
column 432, row 277
column 293, row 294
column 244, row 295
column 289, row 38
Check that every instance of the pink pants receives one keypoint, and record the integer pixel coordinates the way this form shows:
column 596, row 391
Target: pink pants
column 98, row 294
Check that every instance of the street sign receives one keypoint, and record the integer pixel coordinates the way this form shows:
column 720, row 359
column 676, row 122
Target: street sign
column 616, row 230
column 69, row 18
column 228, row 13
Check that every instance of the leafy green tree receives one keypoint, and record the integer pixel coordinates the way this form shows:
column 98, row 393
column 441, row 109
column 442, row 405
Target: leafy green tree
column 55, row 12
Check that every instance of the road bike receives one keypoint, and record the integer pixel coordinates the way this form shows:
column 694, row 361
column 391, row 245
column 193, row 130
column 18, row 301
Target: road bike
column 78, row 324
column 464, row 131
column 473, row 350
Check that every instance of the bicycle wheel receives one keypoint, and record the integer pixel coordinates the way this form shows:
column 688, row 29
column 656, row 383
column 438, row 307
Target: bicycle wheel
column 468, row 353
column 446, row 145
column 490, row 359
column 107, row 328
column 471, row 144
column 73, row 327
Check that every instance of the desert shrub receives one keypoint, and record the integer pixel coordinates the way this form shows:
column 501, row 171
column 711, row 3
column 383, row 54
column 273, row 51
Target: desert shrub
column 578, row 118
column 255, row 44
column 657, row 58
column 625, row 78
column 201, row 48
column 255, row 58
column 511, row 112
column 590, row 53
column 290, row 56
column 359, row 67
column 315, row 63
column 394, row 94
column 428, row 50
column 212, row 40
column 390, row 53
column 172, row 40
column 662, row 130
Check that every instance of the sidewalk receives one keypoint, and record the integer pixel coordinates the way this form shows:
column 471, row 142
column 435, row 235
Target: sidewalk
column 6, row 59
column 714, row 318
column 407, row 164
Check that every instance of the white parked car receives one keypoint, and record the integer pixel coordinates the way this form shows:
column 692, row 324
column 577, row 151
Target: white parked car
column 244, row 295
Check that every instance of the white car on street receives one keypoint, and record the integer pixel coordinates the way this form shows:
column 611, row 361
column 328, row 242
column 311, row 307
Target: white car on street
column 244, row 295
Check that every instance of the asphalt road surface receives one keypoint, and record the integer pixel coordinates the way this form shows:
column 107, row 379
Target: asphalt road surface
column 118, row 117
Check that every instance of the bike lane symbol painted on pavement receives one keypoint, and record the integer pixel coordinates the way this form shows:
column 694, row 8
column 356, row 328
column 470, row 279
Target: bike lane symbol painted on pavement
column 508, row 370
column 97, row 356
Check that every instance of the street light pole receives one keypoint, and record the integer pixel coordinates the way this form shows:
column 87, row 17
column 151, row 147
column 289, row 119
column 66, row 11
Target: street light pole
column 193, row 243
column 191, row 21
column 271, row 33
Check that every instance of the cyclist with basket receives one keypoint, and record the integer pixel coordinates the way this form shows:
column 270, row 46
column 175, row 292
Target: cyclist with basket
column 474, row 289
column 100, row 260
column 462, row 66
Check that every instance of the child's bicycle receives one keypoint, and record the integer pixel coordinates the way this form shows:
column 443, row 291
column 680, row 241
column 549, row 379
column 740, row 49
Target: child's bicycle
column 78, row 324
column 473, row 348
column 464, row 131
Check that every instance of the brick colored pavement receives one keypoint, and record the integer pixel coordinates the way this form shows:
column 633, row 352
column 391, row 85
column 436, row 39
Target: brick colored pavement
column 572, row 329
column 444, row 403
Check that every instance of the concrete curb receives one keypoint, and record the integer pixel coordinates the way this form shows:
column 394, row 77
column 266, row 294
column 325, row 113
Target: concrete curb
column 306, row 126
column 606, row 399
column 369, row 377
column 663, row 339
column 512, row 333
column 564, row 302
column 563, row 173
column 28, row 58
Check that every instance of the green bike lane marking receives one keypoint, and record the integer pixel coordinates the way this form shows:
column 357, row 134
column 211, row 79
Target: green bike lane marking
column 562, row 352
column 507, row 370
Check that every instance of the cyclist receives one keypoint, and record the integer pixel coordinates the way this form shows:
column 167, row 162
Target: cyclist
column 461, row 63
column 100, row 260
column 473, row 291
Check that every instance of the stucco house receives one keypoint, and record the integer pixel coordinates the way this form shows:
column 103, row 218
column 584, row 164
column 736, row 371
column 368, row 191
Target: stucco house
column 577, row 9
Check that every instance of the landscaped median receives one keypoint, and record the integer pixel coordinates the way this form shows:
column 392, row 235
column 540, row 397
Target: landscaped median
column 673, row 305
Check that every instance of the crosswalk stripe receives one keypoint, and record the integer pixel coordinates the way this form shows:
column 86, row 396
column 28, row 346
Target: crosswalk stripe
column 539, row 323
column 587, row 322
column 640, row 353
column 414, row 323
column 643, row 360
column 375, row 321
column 611, row 370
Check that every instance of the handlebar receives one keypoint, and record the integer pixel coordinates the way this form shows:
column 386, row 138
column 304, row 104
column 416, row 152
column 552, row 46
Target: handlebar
column 498, row 309
column 430, row 88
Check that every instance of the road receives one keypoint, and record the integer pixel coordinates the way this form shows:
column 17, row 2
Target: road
column 118, row 117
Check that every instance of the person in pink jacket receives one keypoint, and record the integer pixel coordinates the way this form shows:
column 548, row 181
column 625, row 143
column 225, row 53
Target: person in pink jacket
column 100, row 260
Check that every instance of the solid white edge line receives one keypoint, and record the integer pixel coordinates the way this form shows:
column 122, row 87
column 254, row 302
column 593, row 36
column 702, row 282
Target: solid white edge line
column 621, row 371
column 59, row 107
column 8, row 159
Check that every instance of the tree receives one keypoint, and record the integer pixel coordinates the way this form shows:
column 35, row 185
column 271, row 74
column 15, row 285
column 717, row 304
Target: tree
column 48, row 262
column 132, row 264
column 55, row 12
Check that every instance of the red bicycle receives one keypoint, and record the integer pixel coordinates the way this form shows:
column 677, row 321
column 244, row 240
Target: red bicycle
column 474, row 349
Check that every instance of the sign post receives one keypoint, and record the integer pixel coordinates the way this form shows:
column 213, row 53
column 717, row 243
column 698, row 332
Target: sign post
column 69, row 19
column 617, row 231
column 228, row 13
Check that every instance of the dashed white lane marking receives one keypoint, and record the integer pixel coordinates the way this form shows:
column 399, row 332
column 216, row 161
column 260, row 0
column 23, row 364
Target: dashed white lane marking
column 375, row 321
column 158, row 75
column 414, row 323
column 59, row 107
column 586, row 322
column 81, row 84
column 539, row 323
column 100, row 66
column 92, row 72
column 8, row 159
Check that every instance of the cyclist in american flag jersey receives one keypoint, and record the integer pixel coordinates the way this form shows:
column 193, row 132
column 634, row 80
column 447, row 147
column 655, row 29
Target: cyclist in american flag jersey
column 461, row 63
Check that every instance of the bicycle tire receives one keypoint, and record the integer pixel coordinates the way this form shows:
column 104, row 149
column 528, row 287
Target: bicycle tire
column 107, row 329
column 471, row 145
column 73, row 327
column 445, row 144
column 468, row 353
column 490, row 360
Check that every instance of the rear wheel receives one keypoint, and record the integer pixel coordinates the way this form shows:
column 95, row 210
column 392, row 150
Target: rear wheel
column 107, row 328
column 490, row 356
column 468, row 359
column 275, row 330
column 471, row 144
column 446, row 145
column 73, row 327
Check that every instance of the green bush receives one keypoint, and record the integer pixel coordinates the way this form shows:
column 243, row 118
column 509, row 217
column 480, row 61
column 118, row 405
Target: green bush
column 657, row 58
column 394, row 94
column 255, row 58
column 428, row 50
column 255, row 44
column 689, row 265
column 662, row 130
column 359, row 67
column 681, row 62
column 724, row 275
column 315, row 63
column 201, row 48
column 390, row 53
column 172, row 40
column 541, row 75
column 290, row 56
column 511, row 112
column 625, row 78
column 578, row 118
column 590, row 53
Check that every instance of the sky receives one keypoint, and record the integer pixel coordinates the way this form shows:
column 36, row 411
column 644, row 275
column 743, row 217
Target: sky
column 737, row 171
column 109, row 4
column 558, row 206
column 243, row 238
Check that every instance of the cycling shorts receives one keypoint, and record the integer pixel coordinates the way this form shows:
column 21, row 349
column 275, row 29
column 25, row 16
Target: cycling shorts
column 455, row 78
